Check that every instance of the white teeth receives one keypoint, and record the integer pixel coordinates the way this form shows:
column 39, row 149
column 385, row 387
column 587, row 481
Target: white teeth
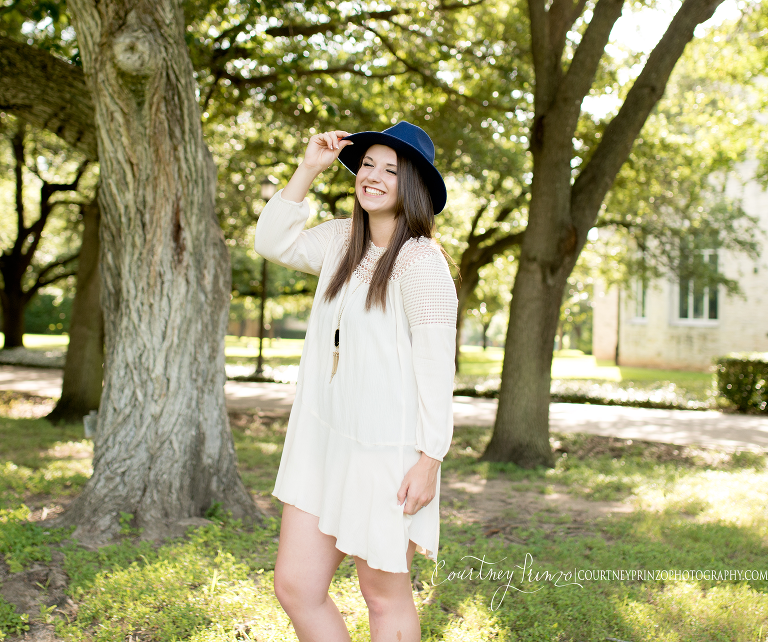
column 372, row 191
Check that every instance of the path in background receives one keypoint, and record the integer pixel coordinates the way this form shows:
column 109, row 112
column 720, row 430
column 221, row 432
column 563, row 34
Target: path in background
column 683, row 427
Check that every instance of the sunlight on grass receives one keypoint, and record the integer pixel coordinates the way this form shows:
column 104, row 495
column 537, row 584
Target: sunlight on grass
column 42, row 341
column 474, row 622
column 248, row 347
column 735, row 497
column 185, row 589
column 683, row 611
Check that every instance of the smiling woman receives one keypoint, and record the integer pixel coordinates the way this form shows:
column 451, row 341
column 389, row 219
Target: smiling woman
column 376, row 189
column 372, row 420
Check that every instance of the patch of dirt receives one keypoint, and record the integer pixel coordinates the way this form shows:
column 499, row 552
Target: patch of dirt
column 267, row 504
column 46, row 507
column 40, row 586
column 582, row 446
column 503, row 506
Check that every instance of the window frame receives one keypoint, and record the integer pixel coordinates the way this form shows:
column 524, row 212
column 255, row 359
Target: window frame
column 690, row 321
column 639, row 300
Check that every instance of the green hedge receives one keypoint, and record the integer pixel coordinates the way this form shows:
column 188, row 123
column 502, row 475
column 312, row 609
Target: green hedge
column 743, row 380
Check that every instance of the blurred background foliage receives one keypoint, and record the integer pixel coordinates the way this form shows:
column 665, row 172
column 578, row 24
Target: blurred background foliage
column 270, row 74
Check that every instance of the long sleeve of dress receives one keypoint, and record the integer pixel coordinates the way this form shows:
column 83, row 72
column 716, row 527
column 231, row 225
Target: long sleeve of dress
column 430, row 302
column 281, row 238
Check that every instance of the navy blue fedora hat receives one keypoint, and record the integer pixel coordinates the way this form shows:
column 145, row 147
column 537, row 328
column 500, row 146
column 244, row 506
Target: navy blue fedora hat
column 408, row 140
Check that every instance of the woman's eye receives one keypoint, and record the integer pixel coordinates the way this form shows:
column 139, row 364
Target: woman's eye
column 367, row 165
column 393, row 172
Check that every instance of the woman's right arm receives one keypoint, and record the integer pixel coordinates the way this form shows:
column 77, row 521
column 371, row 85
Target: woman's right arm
column 280, row 235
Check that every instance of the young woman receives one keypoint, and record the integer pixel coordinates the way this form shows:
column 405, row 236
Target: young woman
column 372, row 418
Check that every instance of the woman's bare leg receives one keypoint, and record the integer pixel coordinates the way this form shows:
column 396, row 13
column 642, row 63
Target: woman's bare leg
column 306, row 562
column 391, row 612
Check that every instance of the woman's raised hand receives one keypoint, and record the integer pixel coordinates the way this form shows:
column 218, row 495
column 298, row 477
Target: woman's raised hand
column 323, row 149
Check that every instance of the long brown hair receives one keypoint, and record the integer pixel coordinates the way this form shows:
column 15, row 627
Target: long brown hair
column 414, row 217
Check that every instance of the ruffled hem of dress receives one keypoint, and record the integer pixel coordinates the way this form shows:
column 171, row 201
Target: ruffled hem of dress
column 357, row 504
column 419, row 548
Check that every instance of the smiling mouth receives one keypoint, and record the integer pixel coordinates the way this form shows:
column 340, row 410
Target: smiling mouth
column 372, row 191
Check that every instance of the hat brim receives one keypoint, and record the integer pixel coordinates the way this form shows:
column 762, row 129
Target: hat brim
column 351, row 154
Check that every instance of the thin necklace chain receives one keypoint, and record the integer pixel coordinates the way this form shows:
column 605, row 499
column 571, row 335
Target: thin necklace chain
column 344, row 302
column 338, row 326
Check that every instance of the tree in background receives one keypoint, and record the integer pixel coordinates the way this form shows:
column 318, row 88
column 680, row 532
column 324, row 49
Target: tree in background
column 51, row 95
column 491, row 296
column 84, row 367
column 566, row 197
column 29, row 261
column 576, row 311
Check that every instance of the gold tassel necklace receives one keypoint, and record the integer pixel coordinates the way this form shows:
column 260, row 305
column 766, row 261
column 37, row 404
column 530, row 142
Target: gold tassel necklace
column 336, row 334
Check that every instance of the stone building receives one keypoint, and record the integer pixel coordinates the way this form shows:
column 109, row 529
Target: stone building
column 683, row 326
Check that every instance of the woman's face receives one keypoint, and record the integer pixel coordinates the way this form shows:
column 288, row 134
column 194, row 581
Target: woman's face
column 376, row 183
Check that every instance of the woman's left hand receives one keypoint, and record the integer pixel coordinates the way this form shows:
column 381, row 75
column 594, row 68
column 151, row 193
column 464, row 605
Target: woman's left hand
column 419, row 485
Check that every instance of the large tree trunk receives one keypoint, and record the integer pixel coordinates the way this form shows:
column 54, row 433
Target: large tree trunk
column 561, row 212
column 522, row 420
column 84, row 367
column 163, row 450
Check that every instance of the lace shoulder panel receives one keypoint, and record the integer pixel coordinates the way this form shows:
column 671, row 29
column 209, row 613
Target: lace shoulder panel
column 429, row 293
column 413, row 250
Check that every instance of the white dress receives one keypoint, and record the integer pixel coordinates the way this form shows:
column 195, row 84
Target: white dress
column 351, row 440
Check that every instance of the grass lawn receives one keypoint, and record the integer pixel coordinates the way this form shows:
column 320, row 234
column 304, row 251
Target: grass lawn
column 42, row 341
column 608, row 505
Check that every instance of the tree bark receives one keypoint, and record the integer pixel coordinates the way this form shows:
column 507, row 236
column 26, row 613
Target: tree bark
column 561, row 213
column 163, row 450
column 48, row 92
column 84, row 366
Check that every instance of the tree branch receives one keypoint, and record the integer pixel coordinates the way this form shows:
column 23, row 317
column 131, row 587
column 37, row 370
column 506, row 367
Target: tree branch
column 260, row 81
column 49, row 93
column 562, row 16
column 293, row 30
column 542, row 54
column 581, row 72
column 595, row 180
column 487, row 252
column 17, row 144
column 423, row 71
column 42, row 282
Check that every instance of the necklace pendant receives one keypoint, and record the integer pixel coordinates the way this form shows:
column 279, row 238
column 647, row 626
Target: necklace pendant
column 335, row 363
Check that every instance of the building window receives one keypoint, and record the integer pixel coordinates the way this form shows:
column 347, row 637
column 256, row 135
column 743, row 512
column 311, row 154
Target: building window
column 697, row 300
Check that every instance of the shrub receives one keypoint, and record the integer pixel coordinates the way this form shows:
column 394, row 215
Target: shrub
column 743, row 380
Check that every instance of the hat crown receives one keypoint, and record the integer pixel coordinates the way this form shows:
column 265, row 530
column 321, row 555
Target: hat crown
column 414, row 136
